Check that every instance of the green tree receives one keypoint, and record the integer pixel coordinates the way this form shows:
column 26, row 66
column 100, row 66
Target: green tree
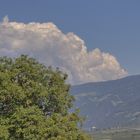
column 35, row 102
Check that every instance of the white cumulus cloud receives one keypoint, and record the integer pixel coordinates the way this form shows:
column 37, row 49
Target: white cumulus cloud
column 51, row 46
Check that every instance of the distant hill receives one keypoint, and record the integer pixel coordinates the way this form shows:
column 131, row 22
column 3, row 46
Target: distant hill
column 109, row 104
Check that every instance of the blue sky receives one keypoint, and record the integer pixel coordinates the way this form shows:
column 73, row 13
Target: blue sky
column 110, row 25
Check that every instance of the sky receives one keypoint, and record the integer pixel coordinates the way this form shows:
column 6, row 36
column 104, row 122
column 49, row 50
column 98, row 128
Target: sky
column 111, row 26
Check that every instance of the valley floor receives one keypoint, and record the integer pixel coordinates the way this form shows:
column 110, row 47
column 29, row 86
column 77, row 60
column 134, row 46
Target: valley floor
column 119, row 134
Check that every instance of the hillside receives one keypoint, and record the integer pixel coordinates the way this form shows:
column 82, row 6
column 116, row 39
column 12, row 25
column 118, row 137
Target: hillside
column 109, row 104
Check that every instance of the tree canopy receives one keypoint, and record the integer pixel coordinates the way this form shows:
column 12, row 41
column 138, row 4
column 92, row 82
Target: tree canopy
column 35, row 102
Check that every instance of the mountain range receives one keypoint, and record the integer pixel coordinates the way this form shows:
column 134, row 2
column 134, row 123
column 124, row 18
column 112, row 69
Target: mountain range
column 109, row 104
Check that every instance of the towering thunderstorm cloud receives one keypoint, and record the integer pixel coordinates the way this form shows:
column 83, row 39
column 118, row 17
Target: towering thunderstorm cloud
column 52, row 47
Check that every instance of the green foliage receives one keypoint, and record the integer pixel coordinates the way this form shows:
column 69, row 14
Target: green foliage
column 34, row 102
column 4, row 134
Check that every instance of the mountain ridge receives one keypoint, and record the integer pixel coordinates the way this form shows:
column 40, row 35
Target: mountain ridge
column 114, row 103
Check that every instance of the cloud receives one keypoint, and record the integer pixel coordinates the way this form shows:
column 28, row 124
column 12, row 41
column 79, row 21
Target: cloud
column 51, row 46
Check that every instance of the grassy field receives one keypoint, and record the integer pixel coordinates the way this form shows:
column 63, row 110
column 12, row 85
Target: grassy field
column 117, row 135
